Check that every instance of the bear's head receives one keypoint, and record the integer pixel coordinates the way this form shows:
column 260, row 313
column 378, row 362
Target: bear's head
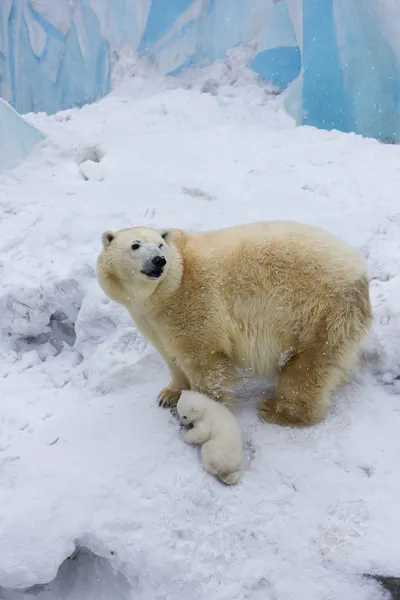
column 190, row 407
column 133, row 262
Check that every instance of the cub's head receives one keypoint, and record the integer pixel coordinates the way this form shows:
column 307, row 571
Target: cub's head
column 133, row 262
column 190, row 407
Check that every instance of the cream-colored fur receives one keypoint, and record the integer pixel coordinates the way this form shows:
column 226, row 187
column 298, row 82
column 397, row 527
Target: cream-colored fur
column 273, row 299
column 216, row 430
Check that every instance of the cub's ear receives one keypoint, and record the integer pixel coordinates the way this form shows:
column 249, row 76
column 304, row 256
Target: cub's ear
column 166, row 236
column 106, row 238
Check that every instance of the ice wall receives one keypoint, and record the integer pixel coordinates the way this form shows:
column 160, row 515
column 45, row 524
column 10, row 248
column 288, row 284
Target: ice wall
column 339, row 58
column 351, row 66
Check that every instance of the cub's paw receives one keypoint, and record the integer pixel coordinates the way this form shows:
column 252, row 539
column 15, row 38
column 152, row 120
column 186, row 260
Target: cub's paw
column 183, row 434
column 168, row 397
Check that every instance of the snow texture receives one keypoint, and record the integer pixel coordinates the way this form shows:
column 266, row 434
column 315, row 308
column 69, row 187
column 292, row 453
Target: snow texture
column 340, row 58
column 90, row 467
column 17, row 137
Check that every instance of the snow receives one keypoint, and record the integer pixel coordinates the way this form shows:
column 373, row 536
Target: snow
column 88, row 462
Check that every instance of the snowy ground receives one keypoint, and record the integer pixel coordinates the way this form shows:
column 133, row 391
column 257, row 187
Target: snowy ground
column 87, row 459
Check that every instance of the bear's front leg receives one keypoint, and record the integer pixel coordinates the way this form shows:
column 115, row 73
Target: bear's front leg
column 213, row 375
column 170, row 395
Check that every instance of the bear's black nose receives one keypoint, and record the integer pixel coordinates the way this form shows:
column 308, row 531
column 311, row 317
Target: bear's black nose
column 159, row 262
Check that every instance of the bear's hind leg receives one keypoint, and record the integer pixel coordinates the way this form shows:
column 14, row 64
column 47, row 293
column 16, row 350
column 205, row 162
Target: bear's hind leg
column 303, row 391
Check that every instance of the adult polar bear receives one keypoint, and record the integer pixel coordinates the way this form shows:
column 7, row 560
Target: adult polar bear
column 218, row 302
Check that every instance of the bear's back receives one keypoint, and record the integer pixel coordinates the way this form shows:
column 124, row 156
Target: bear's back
column 273, row 254
column 270, row 284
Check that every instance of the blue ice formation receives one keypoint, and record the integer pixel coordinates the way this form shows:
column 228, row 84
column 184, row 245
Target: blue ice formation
column 338, row 59
column 17, row 137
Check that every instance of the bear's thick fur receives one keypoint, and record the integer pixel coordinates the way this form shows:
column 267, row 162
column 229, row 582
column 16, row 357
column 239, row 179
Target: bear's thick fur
column 272, row 299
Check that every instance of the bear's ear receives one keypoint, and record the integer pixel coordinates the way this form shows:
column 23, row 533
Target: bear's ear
column 107, row 238
column 166, row 236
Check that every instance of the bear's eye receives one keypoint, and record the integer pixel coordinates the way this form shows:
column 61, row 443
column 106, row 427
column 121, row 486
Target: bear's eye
column 160, row 246
column 135, row 246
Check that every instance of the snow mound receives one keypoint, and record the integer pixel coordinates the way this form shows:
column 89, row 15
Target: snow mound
column 81, row 575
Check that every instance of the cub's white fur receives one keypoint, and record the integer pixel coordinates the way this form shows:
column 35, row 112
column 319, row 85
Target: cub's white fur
column 216, row 430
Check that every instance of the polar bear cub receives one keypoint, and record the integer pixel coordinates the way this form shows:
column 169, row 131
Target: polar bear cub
column 214, row 428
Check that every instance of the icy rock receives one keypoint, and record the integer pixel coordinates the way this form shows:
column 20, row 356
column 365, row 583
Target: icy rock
column 17, row 137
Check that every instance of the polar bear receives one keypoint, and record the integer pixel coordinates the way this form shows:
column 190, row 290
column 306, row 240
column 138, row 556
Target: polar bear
column 216, row 430
column 271, row 299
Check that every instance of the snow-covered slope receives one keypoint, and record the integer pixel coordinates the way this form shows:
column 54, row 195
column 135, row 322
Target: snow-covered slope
column 87, row 459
